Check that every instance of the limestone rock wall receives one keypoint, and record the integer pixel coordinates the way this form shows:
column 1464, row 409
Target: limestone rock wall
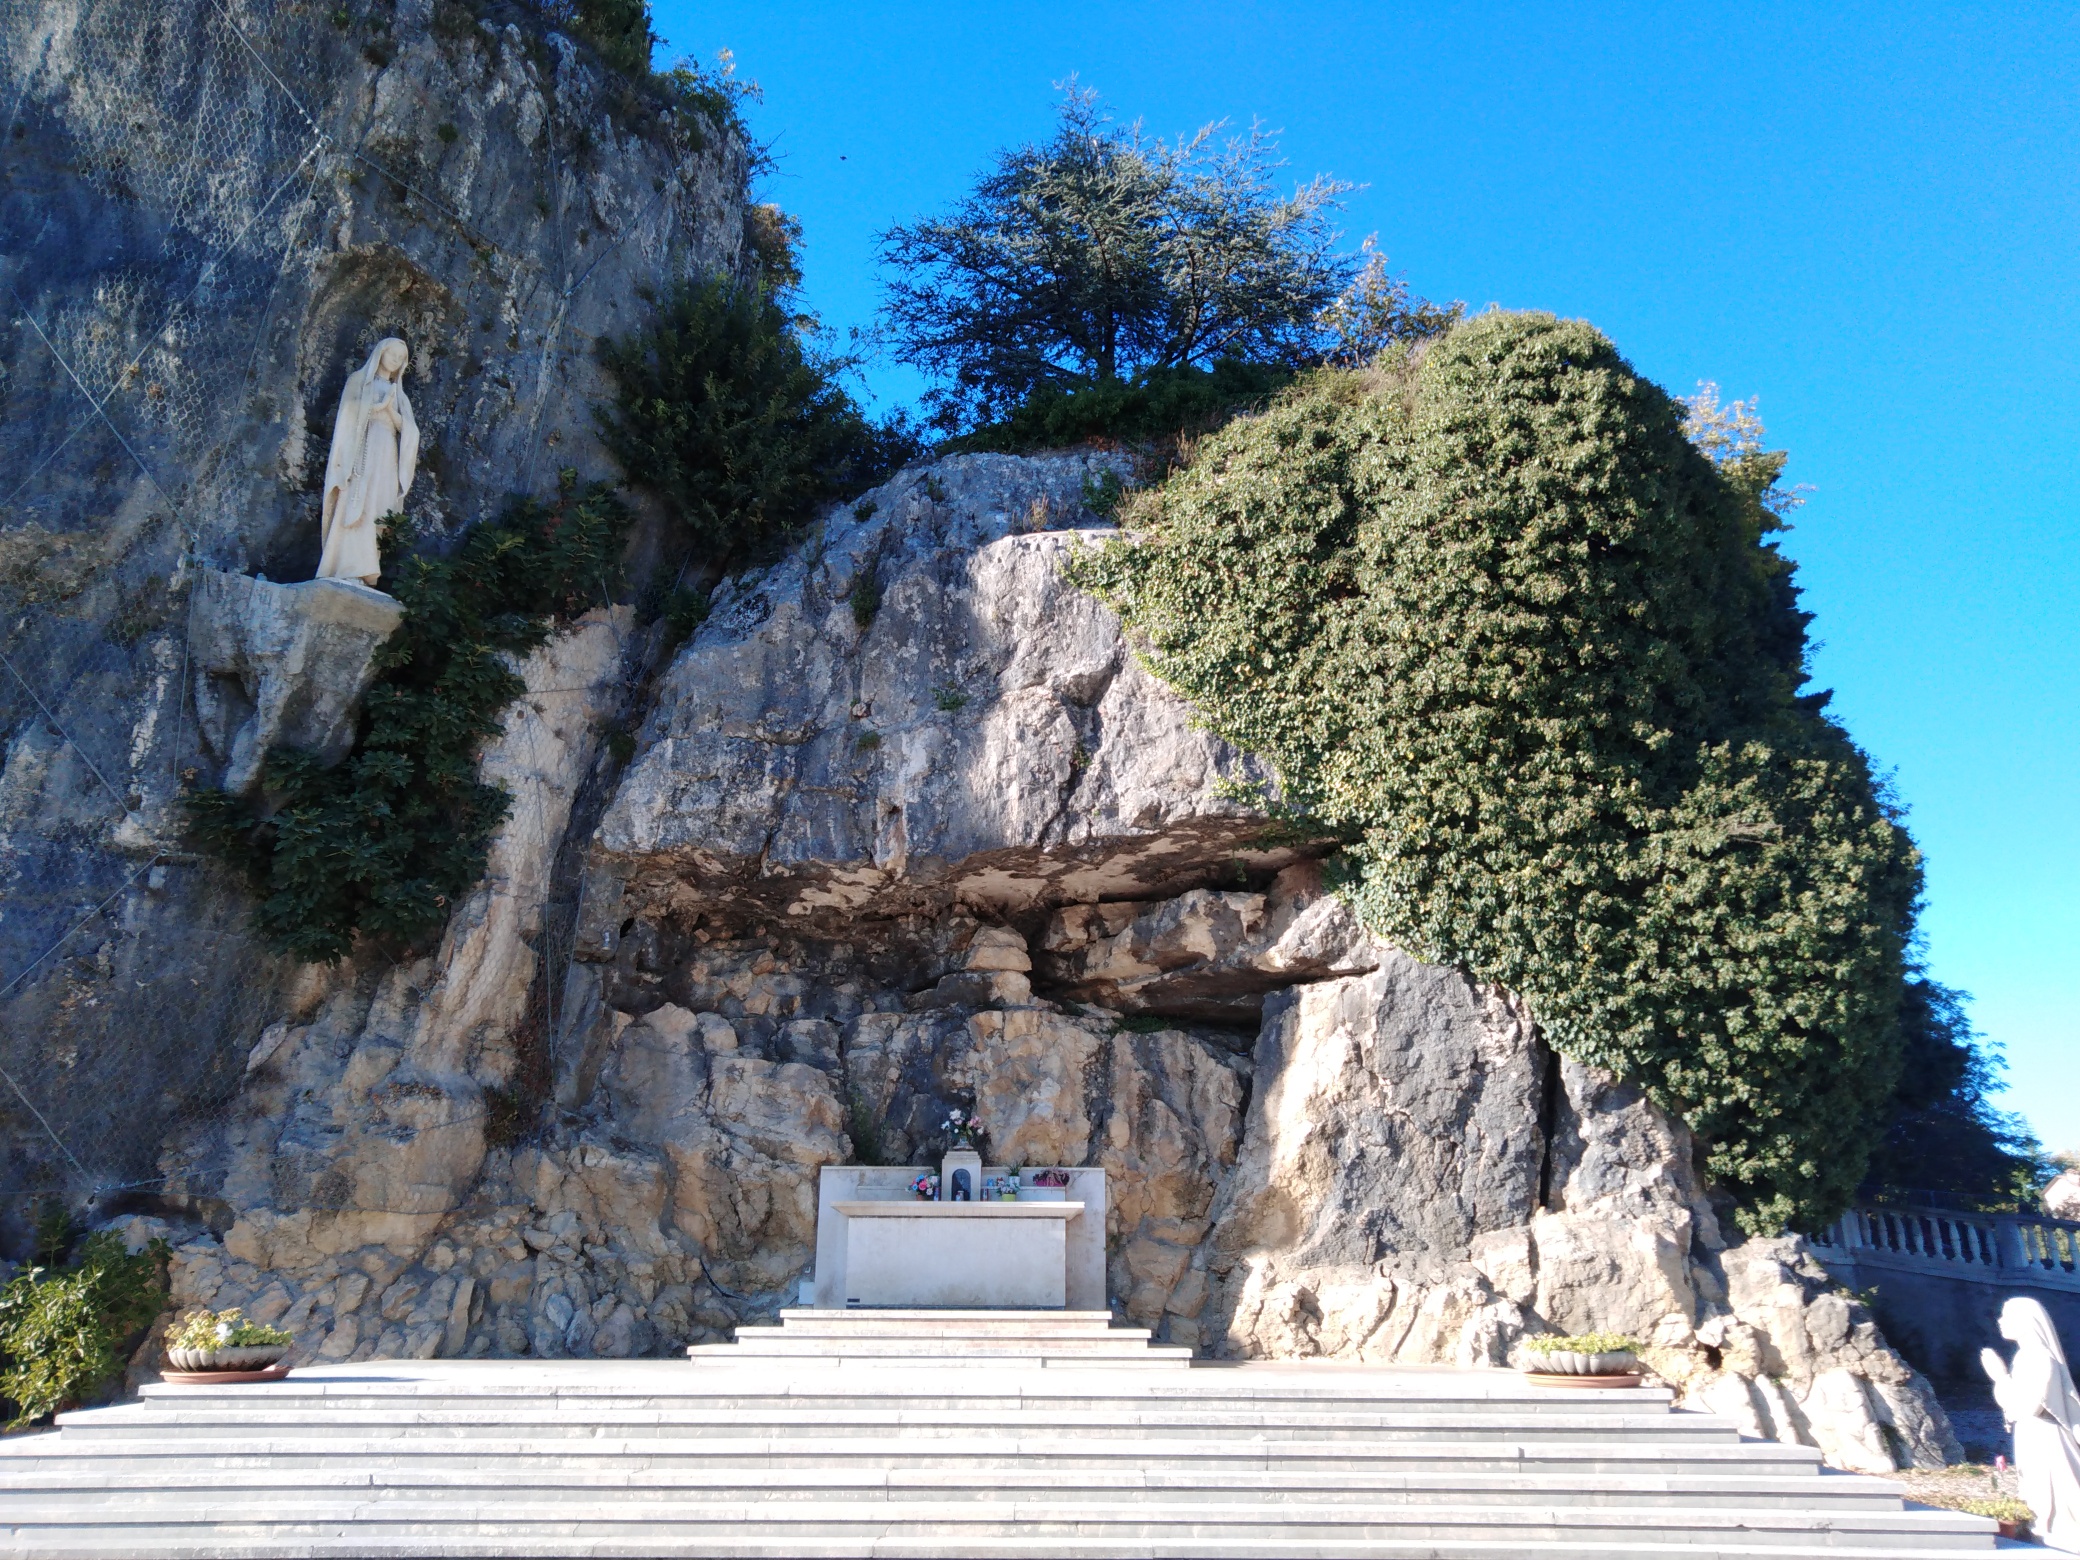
column 984, row 737
column 367, row 1113
column 1025, row 896
column 208, row 215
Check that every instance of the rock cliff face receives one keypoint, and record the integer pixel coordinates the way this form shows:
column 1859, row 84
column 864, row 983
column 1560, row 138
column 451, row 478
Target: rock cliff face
column 208, row 214
column 863, row 866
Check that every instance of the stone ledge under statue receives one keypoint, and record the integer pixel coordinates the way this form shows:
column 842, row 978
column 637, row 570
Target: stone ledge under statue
column 878, row 1245
column 281, row 666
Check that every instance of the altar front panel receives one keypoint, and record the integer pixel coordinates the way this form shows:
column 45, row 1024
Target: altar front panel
column 958, row 1254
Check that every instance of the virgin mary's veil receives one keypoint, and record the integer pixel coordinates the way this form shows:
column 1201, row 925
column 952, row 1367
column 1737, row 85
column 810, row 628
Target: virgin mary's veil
column 2030, row 1324
column 375, row 359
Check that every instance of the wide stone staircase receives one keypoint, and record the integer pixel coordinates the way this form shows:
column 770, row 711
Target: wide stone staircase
column 945, row 1435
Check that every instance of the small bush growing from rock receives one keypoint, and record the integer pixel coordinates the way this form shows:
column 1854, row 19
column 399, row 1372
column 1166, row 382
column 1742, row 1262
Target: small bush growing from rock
column 724, row 414
column 619, row 30
column 65, row 1332
column 865, row 600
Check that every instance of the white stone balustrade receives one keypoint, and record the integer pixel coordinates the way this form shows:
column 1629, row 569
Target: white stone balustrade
column 2002, row 1249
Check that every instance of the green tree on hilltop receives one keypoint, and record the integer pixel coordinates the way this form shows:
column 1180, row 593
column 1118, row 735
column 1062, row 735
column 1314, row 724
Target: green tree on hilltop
column 1104, row 256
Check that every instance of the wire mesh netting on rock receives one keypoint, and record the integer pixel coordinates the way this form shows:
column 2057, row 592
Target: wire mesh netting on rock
column 210, row 212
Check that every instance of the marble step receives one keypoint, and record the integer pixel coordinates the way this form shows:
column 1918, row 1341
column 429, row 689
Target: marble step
column 1068, row 1340
column 764, row 1388
column 1068, row 1345
column 947, row 1339
column 597, row 1457
column 973, row 1426
column 889, row 1320
column 916, row 1525
column 773, row 1343
column 82, row 1487
column 91, row 1545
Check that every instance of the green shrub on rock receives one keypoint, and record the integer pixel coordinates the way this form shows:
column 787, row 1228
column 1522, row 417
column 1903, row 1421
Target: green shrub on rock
column 1505, row 631
column 384, row 842
column 1155, row 405
column 724, row 414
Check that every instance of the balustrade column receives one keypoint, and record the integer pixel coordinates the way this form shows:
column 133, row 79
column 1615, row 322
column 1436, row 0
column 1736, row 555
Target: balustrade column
column 2013, row 1251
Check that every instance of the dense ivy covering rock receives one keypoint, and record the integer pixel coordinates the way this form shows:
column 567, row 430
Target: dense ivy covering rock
column 1533, row 656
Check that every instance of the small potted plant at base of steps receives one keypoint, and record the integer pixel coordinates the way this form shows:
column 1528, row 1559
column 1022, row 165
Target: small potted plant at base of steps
column 2014, row 1517
column 213, row 1347
column 1585, row 1360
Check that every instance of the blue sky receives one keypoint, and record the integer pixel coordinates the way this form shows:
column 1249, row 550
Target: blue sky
column 1868, row 216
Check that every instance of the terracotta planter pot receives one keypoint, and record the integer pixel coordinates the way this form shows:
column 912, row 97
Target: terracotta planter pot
column 258, row 1356
column 1570, row 1362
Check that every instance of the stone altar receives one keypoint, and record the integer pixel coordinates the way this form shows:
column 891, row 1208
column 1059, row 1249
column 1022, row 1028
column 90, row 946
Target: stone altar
column 877, row 1244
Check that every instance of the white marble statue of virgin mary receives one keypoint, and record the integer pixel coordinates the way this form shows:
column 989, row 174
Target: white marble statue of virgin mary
column 2036, row 1395
column 375, row 452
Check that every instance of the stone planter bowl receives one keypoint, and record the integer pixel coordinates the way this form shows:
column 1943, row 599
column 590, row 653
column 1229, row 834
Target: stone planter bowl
column 255, row 1356
column 1571, row 1362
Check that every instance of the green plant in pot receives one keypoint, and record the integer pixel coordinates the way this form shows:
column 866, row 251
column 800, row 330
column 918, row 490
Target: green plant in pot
column 2013, row 1516
column 1582, row 1354
column 224, row 1340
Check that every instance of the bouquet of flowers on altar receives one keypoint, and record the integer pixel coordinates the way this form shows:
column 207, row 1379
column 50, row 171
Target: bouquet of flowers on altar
column 959, row 1126
column 925, row 1188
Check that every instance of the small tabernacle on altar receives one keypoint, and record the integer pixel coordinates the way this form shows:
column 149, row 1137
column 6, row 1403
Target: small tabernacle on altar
column 888, row 1235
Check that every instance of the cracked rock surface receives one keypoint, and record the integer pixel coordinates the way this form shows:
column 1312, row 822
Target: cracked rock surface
column 213, row 212
column 984, row 737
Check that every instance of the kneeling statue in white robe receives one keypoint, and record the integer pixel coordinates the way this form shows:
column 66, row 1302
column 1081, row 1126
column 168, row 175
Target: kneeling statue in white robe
column 375, row 453
column 2036, row 1396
